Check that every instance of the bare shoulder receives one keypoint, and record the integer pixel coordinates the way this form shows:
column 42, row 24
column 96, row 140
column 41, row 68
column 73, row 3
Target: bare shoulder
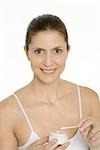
column 90, row 95
column 90, row 101
column 7, row 106
column 7, row 121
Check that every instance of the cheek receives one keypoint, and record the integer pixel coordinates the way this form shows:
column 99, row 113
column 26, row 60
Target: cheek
column 61, row 61
column 35, row 61
column 35, row 64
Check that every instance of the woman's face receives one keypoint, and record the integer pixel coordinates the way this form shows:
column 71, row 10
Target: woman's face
column 47, row 53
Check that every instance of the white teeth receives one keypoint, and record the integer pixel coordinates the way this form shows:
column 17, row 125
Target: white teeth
column 48, row 71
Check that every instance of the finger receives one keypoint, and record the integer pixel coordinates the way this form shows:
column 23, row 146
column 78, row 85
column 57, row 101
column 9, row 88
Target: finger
column 50, row 144
column 63, row 147
column 95, row 141
column 95, row 131
column 87, row 123
column 85, row 132
column 41, row 141
column 84, row 120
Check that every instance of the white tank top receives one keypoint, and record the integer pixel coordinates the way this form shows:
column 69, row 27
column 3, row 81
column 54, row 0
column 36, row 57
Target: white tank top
column 76, row 142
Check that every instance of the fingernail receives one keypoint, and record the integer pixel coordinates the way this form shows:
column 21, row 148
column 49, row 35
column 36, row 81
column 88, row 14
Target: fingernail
column 55, row 140
column 66, row 144
column 81, row 129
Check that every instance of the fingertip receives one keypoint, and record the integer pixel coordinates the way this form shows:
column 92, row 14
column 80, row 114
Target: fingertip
column 54, row 140
column 66, row 144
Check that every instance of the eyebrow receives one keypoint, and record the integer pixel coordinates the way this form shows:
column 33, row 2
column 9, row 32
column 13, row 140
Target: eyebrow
column 57, row 47
column 37, row 48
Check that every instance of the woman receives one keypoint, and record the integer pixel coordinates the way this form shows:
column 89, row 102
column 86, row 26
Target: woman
column 48, row 103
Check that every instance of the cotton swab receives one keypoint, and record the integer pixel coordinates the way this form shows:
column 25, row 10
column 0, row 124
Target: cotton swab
column 70, row 127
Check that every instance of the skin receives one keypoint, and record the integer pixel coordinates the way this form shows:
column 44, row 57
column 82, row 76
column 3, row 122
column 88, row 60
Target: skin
column 48, row 52
column 52, row 109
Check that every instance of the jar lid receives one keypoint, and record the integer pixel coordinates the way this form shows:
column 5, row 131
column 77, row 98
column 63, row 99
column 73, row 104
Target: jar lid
column 59, row 133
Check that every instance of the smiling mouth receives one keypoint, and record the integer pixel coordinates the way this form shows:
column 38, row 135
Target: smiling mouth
column 48, row 71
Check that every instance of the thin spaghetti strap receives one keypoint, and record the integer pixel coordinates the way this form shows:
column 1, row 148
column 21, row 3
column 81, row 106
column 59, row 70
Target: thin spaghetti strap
column 80, row 102
column 28, row 121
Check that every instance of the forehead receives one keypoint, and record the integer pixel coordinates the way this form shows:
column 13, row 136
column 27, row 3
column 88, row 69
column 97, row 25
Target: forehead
column 48, row 37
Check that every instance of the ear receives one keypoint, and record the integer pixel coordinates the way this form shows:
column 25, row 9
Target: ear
column 68, row 50
column 26, row 51
column 69, row 47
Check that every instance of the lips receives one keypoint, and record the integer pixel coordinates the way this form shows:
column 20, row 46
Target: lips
column 48, row 71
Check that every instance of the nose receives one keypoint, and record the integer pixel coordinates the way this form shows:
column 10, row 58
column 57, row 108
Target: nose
column 48, row 60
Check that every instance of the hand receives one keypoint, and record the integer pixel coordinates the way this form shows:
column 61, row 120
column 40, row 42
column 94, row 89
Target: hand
column 90, row 130
column 43, row 144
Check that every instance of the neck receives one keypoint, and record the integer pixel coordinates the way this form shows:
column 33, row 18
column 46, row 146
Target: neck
column 48, row 92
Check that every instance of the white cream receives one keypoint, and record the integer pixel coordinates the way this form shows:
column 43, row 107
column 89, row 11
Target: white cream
column 60, row 136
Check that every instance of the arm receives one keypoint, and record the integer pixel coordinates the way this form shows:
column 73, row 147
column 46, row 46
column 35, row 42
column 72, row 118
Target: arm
column 94, row 105
column 7, row 137
column 90, row 125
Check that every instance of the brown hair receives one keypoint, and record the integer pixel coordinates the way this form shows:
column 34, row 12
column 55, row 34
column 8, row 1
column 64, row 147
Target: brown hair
column 43, row 23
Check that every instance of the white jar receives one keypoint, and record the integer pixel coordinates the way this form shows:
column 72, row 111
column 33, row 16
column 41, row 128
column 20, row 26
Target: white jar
column 60, row 136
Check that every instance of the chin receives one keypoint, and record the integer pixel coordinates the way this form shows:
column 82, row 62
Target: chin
column 48, row 80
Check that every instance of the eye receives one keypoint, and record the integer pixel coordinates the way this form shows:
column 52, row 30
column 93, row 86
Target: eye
column 38, row 51
column 57, row 51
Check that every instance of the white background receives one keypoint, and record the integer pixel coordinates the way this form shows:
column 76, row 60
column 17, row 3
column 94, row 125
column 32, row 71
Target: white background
column 82, row 19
